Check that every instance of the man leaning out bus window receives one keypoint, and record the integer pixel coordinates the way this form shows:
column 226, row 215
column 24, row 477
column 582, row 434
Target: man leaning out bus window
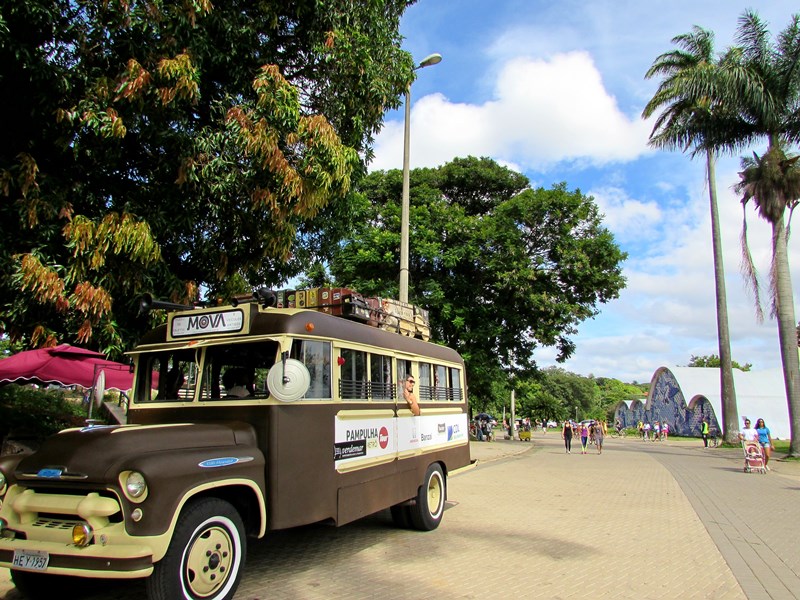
column 408, row 394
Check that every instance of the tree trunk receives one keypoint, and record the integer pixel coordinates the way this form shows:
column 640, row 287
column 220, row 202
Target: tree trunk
column 787, row 331
column 730, row 412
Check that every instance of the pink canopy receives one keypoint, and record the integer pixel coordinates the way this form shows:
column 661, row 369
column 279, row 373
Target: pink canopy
column 64, row 365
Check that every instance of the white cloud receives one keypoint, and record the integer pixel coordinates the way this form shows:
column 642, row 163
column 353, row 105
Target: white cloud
column 543, row 112
column 627, row 217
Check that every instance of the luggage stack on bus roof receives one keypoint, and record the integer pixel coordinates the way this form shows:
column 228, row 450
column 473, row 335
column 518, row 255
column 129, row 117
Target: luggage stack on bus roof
column 385, row 313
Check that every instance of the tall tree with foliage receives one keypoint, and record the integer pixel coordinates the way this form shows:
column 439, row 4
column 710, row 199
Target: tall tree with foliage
column 772, row 182
column 712, row 361
column 573, row 391
column 613, row 391
column 166, row 147
column 685, row 122
column 764, row 84
column 503, row 268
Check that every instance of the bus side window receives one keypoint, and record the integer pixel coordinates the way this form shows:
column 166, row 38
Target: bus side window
column 403, row 369
column 353, row 375
column 454, row 390
column 381, row 382
column 440, row 382
column 316, row 356
column 425, row 385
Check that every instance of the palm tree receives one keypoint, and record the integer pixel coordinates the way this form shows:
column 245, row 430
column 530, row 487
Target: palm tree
column 690, row 120
column 772, row 181
column 764, row 81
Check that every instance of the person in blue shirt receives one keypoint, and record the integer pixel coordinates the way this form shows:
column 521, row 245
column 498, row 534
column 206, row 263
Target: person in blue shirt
column 765, row 440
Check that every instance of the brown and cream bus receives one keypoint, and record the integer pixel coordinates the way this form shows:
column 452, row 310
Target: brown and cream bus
column 243, row 419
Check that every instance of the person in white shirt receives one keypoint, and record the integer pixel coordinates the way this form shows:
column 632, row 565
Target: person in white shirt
column 748, row 434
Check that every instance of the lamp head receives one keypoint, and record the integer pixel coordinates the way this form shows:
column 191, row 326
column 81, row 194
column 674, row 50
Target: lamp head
column 433, row 59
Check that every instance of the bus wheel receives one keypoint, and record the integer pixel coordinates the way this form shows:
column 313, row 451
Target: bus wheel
column 427, row 511
column 205, row 557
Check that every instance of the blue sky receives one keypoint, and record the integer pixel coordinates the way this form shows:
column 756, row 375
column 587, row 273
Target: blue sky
column 555, row 90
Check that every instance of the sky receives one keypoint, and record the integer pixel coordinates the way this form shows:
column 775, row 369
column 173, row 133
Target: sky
column 555, row 90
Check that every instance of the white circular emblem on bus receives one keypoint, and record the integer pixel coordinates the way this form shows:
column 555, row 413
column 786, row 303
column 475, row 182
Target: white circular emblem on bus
column 288, row 380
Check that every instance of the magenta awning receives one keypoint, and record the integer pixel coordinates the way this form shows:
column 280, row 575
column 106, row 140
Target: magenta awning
column 64, row 365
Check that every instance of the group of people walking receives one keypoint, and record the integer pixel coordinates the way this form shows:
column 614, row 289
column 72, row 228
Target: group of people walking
column 589, row 432
column 656, row 432
column 760, row 434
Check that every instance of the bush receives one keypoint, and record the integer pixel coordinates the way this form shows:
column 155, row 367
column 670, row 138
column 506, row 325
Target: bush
column 33, row 414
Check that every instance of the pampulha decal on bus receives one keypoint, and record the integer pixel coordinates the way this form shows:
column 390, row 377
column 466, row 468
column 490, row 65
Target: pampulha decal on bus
column 359, row 441
column 359, row 438
column 209, row 323
column 366, row 434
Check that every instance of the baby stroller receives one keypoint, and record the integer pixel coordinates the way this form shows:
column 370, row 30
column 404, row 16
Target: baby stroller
column 753, row 458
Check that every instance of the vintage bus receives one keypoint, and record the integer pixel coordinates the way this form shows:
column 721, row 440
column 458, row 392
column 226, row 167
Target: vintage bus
column 243, row 419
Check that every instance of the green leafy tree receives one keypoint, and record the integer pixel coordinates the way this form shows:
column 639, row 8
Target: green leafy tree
column 503, row 268
column 535, row 402
column 764, row 86
column 772, row 182
column 170, row 147
column 572, row 391
column 713, row 362
column 688, row 121
column 613, row 391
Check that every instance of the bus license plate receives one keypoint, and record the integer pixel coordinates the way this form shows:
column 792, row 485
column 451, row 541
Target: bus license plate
column 31, row 560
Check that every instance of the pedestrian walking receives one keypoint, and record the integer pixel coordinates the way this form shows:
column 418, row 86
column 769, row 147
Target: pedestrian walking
column 599, row 434
column 748, row 433
column 764, row 440
column 704, row 431
column 584, row 437
column 566, row 435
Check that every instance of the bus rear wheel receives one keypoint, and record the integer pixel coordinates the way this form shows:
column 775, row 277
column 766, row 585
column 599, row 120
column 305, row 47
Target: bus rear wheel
column 426, row 513
column 205, row 557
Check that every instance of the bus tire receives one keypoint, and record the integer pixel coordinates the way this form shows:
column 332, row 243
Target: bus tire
column 427, row 511
column 205, row 557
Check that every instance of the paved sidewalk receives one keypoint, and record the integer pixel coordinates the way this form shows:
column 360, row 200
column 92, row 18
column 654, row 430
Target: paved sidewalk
column 752, row 519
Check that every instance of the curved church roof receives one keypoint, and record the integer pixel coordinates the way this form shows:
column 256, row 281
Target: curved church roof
column 759, row 394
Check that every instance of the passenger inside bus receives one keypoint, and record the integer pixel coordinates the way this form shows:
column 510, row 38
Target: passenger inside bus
column 238, row 382
column 173, row 381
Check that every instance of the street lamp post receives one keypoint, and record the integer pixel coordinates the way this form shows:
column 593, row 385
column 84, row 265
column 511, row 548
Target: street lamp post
column 433, row 59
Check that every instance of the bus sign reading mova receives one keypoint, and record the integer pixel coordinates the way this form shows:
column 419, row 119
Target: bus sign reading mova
column 207, row 323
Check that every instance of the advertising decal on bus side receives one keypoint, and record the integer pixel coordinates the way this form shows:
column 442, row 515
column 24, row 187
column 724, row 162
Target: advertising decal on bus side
column 382, row 437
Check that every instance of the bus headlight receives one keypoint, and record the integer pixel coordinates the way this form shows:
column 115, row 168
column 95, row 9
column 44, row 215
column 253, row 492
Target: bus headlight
column 134, row 485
